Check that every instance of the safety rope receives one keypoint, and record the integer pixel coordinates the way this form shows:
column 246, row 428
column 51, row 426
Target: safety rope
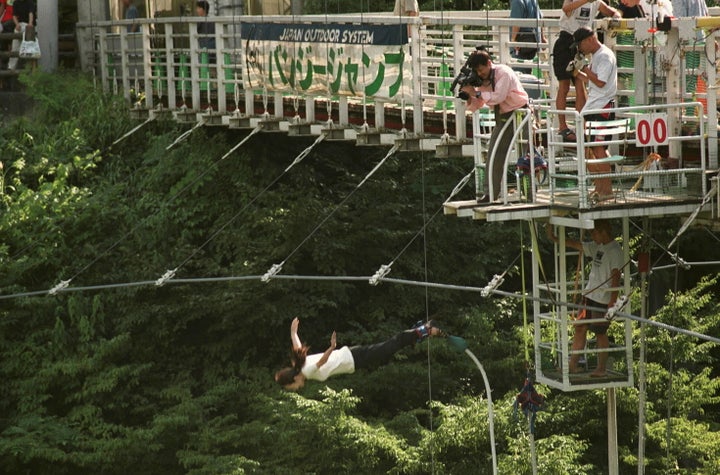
column 526, row 333
column 427, row 312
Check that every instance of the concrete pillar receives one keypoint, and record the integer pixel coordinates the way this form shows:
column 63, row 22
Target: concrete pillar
column 47, row 23
column 89, row 12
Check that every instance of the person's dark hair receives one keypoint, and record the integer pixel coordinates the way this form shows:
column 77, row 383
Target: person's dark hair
column 603, row 225
column 287, row 375
column 205, row 6
column 479, row 57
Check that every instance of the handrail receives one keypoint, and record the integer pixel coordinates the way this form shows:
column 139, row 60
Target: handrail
column 164, row 60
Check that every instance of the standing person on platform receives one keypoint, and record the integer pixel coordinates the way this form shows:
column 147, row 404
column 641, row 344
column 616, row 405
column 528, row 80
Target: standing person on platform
column 206, row 30
column 643, row 9
column 502, row 90
column 575, row 14
column 601, row 79
column 525, row 9
column 131, row 13
column 605, row 273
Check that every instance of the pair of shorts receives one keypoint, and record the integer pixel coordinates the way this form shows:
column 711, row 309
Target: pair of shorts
column 601, row 117
column 563, row 53
column 599, row 328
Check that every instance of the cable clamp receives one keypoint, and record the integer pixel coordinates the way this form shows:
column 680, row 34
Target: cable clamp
column 169, row 274
column 496, row 282
column 680, row 261
column 380, row 274
column 62, row 285
column 273, row 271
column 617, row 306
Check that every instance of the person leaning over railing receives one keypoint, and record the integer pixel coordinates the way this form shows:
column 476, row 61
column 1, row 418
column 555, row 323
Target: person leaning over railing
column 7, row 25
column 502, row 90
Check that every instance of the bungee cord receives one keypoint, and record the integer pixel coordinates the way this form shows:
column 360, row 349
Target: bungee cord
column 133, row 130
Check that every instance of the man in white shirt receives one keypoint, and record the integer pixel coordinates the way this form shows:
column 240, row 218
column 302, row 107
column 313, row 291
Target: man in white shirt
column 600, row 76
column 600, row 291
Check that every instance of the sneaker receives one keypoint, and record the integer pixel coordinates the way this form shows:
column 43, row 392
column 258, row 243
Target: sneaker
column 427, row 329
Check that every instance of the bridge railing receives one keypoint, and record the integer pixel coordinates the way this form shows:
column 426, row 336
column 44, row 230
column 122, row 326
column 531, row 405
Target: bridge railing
column 317, row 67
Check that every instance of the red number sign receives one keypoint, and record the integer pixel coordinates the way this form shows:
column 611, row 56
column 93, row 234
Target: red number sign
column 652, row 130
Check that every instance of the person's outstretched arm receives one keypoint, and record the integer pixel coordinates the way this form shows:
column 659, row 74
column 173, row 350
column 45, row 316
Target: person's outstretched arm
column 571, row 243
column 331, row 348
column 296, row 344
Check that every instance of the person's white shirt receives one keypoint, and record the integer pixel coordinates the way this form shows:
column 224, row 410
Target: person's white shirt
column 606, row 257
column 339, row 362
column 604, row 64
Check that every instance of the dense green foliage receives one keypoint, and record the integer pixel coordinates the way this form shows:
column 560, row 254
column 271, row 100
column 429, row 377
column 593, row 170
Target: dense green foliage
column 178, row 378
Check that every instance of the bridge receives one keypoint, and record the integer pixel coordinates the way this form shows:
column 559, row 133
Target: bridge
column 380, row 79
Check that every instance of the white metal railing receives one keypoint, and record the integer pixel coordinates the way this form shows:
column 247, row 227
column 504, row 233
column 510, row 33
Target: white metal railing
column 685, row 179
column 165, row 61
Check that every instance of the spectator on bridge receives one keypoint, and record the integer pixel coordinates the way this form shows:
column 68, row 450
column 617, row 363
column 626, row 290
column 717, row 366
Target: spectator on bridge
column 131, row 13
column 690, row 8
column 643, row 9
column 601, row 79
column 206, row 29
column 502, row 90
column 24, row 15
column 525, row 9
column 406, row 8
column 575, row 14
column 7, row 25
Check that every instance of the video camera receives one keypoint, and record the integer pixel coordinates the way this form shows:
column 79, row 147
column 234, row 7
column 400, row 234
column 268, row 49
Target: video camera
column 467, row 76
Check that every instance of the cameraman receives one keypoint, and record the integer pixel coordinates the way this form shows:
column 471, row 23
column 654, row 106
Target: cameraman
column 499, row 87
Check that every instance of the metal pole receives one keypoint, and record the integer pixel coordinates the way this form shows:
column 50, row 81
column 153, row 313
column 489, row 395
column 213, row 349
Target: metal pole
column 613, row 468
column 491, row 417
column 641, row 376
